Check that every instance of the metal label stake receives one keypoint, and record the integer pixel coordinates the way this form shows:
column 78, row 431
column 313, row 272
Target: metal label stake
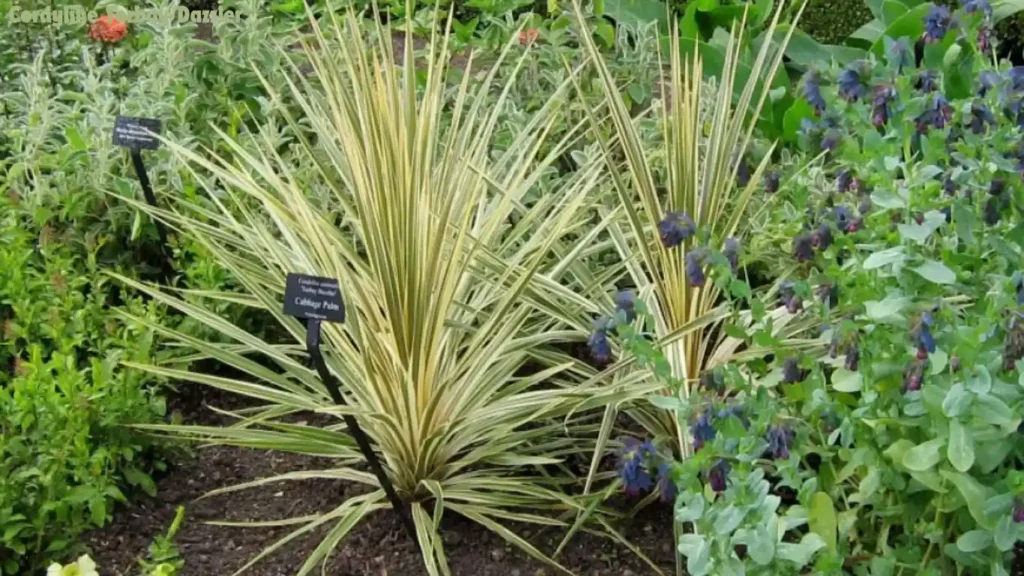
column 137, row 134
column 317, row 299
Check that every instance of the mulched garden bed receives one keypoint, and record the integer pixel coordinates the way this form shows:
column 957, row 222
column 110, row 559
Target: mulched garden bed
column 377, row 547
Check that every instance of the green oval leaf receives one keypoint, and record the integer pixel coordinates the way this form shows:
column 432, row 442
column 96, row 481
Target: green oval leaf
column 935, row 271
column 923, row 456
column 961, row 447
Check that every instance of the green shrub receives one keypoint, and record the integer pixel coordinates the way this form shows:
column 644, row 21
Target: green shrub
column 64, row 399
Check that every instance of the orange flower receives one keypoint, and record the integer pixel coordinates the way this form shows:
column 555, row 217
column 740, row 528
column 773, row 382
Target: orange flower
column 526, row 37
column 108, row 29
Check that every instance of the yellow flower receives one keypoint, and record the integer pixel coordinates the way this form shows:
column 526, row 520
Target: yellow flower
column 83, row 567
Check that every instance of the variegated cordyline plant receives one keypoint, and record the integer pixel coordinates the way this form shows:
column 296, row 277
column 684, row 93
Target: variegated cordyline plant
column 446, row 300
column 697, row 158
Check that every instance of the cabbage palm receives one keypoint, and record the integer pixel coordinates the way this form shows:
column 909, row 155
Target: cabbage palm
column 446, row 300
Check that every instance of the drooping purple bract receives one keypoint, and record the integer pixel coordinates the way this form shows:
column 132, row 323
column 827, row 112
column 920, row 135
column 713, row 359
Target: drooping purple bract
column 795, row 305
column 987, row 80
column 996, row 187
column 928, row 81
column 830, row 141
column 703, row 431
column 633, row 465
column 822, row 237
column 851, row 85
column 936, row 24
column 666, row 487
column 803, row 248
column 844, row 179
column 880, row 112
column 936, row 115
column 913, row 376
column 1018, row 511
column 771, row 182
column 812, row 91
column 981, row 118
column 986, row 38
column 600, row 348
column 731, row 251
column 718, row 476
column 852, row 358
column 675, row 228
column 828, row 292
column 693, row 264
column 983, row 6
column 791, row 371
column 742, row 172
column 779, row 438
column 991, row 212
column 625, row 301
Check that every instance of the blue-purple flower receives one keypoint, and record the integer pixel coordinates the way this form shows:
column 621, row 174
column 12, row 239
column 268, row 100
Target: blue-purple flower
column 600, row 348
column 1018, row 511
column 703, row 431
column 949, row 186
column 822, row 237
column 828, row 292
column 928, row 81
column 831, row 140
column 852, row 359
column 803, row 248
column 742, row 172
column 633, row 465
column 996, row 186
column 666, row 488
column 991, row 212
column 812, row 91
column 851, row 84
column 936, row 115
column 937, row 24
column 791, row 371
column 987, row 80
column 718, row 476
column 880, row 102
column 779, row 438
column 981, row 118
column 913, row 376
column 983, row 6
column 900, row 53
column 771, row 182
column 625, row 301
column 694, row 267
column 731, row 251
column 675, row 228
column 986, row 38
column 843, row 181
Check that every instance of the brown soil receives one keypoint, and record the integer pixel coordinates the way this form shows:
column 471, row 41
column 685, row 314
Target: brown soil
column 378, row 546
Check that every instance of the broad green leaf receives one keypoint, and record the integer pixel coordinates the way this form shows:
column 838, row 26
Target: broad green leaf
column 822, row 519
column 884, row 257
column 844, row 380
column 957, row 400
column 965, row 222
column 1002, row 9
column 935, row 271
column 888, row 308
column 796, row 113
column 974, row 495
column 800, row 554
column 974, row 541
column 923, row 456
column 910, row 25
column 1005, row 535
column 887, row 199
column 961, row 446
column 980, row 381
column 761, row 546
column 992, row 410
column 728, row 520
column 892, row 10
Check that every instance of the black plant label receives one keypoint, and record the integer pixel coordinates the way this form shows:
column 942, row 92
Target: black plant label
column 313, row 297
column 136, row 133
